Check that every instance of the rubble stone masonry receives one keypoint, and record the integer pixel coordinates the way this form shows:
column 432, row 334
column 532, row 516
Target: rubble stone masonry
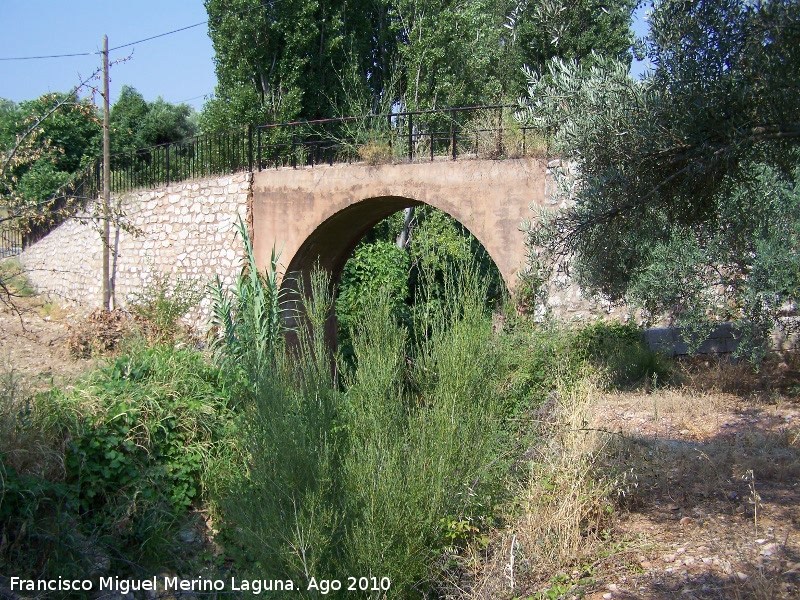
column 187, row 230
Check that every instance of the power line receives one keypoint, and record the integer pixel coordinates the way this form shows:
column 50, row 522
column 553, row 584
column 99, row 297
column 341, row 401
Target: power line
column 194, row 98
column 240, row 13
column 50, row 56
column 110, row 50
column 158, row 36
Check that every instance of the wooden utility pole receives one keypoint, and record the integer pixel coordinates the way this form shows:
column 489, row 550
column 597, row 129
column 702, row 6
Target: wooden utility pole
column 107, row 293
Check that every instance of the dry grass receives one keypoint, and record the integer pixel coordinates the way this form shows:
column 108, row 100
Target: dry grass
column 621, row 480
column 565, row 508
column 376, row 153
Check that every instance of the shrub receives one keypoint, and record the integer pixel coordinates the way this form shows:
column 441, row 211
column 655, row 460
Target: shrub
column 159, row 308
column 541, row 361
column 381, row 475
column 133, row 442
column 375, row 153
column 620, row 350
column 13, row 281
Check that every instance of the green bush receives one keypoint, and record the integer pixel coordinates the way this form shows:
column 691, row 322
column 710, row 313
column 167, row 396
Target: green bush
column 540, row 360
column 134, row 440
column 621, row 352
column 160, row 306
column 381, row 472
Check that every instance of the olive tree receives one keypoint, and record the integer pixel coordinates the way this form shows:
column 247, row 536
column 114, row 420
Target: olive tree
column 688, row 198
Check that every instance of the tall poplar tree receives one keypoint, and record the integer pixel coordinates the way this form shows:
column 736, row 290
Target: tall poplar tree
column 278, row 61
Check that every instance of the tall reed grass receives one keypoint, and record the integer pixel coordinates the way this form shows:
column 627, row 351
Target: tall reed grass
column 380, row 472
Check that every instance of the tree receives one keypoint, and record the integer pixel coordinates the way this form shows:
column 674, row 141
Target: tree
column 44, row 142
column 305, row 60
column 136, row 123
column 688, row 202
column 275, row 61
column 577, row 30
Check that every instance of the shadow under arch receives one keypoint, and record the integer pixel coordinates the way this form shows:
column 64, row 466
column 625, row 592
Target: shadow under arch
column 333, row 241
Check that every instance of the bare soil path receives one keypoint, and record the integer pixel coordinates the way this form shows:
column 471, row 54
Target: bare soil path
column 716, row 509
column 33, row 344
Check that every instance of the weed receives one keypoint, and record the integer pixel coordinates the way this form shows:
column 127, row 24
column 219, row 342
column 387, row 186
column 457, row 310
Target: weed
column 14, row 281
column 160, row 306
column 376, row 153
column 132, row 443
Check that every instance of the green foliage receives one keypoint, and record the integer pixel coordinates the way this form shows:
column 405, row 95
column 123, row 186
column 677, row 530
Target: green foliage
column 136, row 123
column 621, row 353
column 577, row 31
column 325, row 466
column 247, row 320
column 43, row 143
column 280, row 499
column 437, row 245
column 374, row 268
column 539, row 363
column 688, row 197
column 274, row 62
column 15, row 282
column 426, row 432
column 282, row 62
column 134, row 440
column 159, row 307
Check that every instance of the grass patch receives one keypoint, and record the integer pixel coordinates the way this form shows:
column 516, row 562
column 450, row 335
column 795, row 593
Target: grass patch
column 15, row 282
column 100, row 478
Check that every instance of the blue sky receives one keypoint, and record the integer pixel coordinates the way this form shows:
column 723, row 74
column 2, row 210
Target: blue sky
column 178, row 67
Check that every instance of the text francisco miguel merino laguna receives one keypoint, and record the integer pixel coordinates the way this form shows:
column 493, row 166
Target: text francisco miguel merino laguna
column 169, row 584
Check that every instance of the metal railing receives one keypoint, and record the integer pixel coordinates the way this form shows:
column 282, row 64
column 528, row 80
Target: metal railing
column 10, row 240
column 193, row 158
column 405, row 136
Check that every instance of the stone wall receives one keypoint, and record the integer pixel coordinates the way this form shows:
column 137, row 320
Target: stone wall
column 187, row 229
column 565, row 299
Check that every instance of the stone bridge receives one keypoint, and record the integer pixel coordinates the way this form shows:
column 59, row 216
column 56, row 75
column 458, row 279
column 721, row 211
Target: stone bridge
column 309, row 214
column 322, row 213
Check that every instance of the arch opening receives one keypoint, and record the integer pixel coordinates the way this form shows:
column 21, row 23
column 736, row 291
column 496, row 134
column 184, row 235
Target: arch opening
column 361, row 249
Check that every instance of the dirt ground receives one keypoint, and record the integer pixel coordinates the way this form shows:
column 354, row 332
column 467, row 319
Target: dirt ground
column 33, row 343
column 714, row 506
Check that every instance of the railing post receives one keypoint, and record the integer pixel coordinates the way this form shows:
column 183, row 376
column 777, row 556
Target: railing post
column 410, row 138
column 258, row 142
column 453, row 139
column 294, row 152
column 432, row 134
column 167, row 151
column 330, row 143
column 389, row 118
column 250, row 148
column 499, row 132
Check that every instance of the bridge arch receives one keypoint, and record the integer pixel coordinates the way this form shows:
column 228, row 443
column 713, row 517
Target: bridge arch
column 321, row 213
column 332, row 243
